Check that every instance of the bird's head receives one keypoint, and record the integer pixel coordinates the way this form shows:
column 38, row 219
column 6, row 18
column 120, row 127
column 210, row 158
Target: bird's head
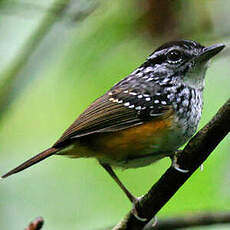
column 186, row 60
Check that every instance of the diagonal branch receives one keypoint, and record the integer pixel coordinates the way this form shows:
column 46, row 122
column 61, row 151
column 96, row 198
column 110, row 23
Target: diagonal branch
column 193, row 155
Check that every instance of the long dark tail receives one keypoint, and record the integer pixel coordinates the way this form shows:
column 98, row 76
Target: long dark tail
column 39, row 157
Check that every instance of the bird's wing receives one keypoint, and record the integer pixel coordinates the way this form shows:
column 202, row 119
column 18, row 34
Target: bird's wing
column 116, row 110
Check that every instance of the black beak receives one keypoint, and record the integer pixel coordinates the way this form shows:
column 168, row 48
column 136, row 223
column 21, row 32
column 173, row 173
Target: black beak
column 209, row 52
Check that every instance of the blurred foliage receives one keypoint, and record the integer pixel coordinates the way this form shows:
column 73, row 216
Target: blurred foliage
column 71, row 63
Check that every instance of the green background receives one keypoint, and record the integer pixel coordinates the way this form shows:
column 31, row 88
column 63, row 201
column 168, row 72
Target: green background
column 77, row 62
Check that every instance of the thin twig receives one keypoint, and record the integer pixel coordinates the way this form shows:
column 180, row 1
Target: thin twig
column 193, row 155
column 200, row 219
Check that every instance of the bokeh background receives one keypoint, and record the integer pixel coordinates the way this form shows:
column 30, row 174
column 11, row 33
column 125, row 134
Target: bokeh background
column 56, row 58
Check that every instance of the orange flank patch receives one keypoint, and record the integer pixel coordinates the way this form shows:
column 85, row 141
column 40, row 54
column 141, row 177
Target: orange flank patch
column 152, row 137
column 139, row 134
column 133, row 142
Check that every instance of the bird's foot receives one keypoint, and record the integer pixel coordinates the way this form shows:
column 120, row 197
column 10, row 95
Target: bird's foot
column 155, row 221
column 175, row 165
column 135, row 201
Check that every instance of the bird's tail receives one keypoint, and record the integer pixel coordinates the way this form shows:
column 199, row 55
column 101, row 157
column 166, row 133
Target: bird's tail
column 39, row 157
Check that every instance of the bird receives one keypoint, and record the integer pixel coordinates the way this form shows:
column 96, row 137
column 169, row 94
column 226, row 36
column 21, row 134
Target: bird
column 143, row 118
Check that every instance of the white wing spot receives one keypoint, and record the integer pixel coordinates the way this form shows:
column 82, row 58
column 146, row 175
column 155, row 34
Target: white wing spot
column 126, row 104
column 138, row 107
column 148, row 99
column 133, row 93
column 156, row 101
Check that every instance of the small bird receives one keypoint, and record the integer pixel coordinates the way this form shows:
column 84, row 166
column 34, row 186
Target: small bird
column 146, row 116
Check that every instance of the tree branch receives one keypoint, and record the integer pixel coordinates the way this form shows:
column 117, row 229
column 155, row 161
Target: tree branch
column 193, row 155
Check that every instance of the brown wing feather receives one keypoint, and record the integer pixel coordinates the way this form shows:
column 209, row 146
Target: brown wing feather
column 105, row 115
column 101, row 116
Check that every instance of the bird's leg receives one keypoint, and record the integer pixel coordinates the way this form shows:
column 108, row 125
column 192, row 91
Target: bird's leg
column 175, row 164
column 130, row 196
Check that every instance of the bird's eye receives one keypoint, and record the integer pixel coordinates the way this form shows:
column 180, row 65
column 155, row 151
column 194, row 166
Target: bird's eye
column 174, row 56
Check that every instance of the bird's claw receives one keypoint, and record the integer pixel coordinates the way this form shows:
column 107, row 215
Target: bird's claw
column 176, row 166
column 155, row 221
column 134, row 210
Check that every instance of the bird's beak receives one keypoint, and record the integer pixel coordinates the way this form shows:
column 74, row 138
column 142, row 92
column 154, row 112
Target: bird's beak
column 209, row 52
